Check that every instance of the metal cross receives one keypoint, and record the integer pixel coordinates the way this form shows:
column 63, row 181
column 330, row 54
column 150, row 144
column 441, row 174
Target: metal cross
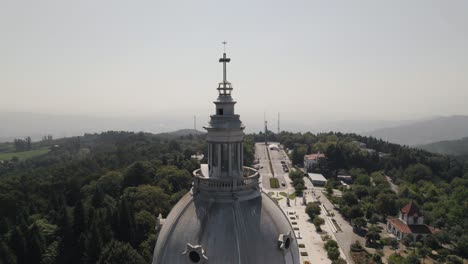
column 224, row 60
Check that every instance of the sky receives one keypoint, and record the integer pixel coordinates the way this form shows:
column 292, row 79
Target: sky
column 312, row 61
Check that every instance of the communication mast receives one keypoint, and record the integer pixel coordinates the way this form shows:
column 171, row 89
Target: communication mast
column 278, row 123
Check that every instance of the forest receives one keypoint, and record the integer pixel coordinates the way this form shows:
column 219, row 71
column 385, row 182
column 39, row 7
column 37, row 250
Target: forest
column 96, row 198
column 437, row 184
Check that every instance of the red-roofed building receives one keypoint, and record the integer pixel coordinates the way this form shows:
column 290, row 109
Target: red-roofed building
column 311, row 161
column 410, row 222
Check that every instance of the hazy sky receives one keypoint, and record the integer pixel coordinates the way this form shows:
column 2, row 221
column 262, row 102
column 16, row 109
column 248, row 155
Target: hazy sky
column 337, row 60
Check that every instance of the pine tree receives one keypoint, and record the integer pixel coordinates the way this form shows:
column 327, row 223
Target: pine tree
column 127, row 227
column 6, row 254
column 117, row 252
column 35, row 244
column 67, row 242
column 98, row 197
column 79, row 219
column 93, row 244
column 18, row 245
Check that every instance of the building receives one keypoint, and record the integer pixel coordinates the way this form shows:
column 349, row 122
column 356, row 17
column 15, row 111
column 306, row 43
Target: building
column 317, row 179
column 345, row 178
column 197, row 156
column 312, row 161
column 226, row 218
column 410, row 223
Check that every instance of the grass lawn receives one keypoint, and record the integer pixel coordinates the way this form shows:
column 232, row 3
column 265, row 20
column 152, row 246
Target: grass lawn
column 284, row 194
column 24, row 154
column 292, row 196
column 274, row 183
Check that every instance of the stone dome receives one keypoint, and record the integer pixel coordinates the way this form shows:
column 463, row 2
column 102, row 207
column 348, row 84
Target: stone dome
column 225, row 218
column 201, row 230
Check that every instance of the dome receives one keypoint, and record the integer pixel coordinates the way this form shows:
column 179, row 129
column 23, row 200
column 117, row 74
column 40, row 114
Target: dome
column 225, row 218
column 201, row 230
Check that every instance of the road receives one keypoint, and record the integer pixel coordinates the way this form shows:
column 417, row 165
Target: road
column 276, row 158
column 306, row 233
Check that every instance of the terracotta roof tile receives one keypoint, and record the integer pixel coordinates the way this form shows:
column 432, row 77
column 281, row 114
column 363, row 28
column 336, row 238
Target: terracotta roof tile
column 411, row 229
column 410, row 209
column 314, row 156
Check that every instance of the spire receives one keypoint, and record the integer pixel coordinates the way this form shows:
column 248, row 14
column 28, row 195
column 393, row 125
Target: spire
column 224, row 87
column 224, row 60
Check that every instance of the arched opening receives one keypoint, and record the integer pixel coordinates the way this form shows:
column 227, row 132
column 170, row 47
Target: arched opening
column 194, row 256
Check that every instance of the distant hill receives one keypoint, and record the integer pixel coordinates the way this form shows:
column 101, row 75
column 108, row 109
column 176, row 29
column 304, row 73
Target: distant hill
column 425, row 132
column 185, row 132
column 448, row 147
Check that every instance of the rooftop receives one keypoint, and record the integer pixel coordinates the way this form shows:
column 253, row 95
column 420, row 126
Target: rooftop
column 314, row 156
column 411, row 229
column 410, row 209
column 316, row 177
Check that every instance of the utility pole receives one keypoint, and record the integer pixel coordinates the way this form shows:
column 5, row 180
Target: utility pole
column 278, row 123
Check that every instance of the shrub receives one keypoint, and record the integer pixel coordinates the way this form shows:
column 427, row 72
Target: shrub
column 330, row 244
column 356, row 247
column 339, row 261
column 333, row 253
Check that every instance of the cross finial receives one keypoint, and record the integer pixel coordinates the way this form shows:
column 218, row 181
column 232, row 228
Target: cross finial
column 224, row 60
column 224, row 43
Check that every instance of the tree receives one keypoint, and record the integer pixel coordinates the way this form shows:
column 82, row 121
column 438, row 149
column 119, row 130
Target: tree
column 393, row 243
column 79, row 219
column 312, row 210
column 6, row 254
column 417, row 172
column 412, row 259
column 18, row 245
column 333, row 253
column 454, row 259
column 117, row 252
column 126, row 229
column 385, row 204
column 93, row 244
column 297, row 155
column 339, row 261
column 330, row 244
column 111, row 183
column 359, row 223
column 423, row 252
column 318, row 221
column 145, row 223
column 34, row 245
column 350, row 198
column 138, row 173
column 376, row 258
column 372, row 234
column 299, row 188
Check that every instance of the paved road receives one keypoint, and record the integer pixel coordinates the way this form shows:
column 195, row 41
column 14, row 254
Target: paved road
column 308, row 236
column 265, row 172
